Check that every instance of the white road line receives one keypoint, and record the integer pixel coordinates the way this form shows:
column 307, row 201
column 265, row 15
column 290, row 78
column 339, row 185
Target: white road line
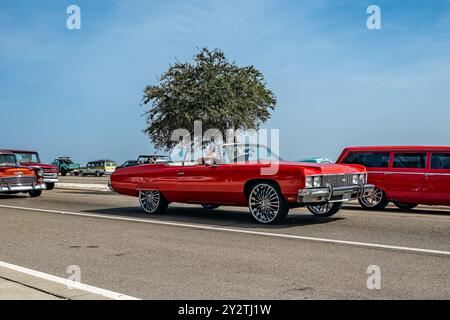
column 242, row 231
column 67, row 282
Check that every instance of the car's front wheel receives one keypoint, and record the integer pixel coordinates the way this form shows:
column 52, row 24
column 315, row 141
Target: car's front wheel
column 152, row 201
column 377, row 200
column 325, row 210
column 266, row 203
column 50, row 186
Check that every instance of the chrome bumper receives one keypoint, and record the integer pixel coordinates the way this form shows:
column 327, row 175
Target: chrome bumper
column 337, row 194
column 23, row 188
column 50, row 177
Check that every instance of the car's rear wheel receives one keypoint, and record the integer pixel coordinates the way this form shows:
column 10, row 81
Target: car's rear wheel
column 64, row 173
column 210, row 206
column 405, row 206
column 266, row 203
column 35, row 193
column 152, row 201
column 50, row 186
column 325, row 210
column 81, row 174
column 377, row 200
column 98, row 174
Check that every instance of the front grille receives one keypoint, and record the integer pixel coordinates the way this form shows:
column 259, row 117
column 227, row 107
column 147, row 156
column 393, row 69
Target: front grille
column 50, row 175
column 18, row 181
column 338, row 180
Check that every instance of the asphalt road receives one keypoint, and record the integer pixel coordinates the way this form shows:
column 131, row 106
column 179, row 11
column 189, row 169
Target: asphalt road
column 191, row 253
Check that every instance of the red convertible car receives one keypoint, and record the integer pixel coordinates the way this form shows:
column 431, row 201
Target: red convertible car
column 235, row 176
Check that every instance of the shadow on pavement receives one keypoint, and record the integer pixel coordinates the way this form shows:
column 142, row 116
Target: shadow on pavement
column 218, row 217
column 395, row 210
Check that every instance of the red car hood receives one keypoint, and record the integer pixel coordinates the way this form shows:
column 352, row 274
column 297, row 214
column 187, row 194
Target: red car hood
column 322, row 168
column 43, row 166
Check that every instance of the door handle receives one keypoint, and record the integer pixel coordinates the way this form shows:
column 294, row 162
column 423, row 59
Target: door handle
column 181, row 173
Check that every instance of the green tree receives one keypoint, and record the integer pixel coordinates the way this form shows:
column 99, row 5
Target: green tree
column 213, row 90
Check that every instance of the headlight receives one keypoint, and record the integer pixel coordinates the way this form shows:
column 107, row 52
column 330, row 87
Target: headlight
column 317, row 182
column 40, row 173
column 309, row 182
column 356, row 179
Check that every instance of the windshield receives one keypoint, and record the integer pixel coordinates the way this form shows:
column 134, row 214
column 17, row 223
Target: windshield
column 247, row 153
column 7, row 159
column 28, row 157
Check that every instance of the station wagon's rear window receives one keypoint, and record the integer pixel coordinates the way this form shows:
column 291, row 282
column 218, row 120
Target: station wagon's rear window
column 410, row 160
column 369, row 159
column 440, row 161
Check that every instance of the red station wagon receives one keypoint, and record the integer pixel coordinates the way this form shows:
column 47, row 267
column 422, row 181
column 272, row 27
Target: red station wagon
column 407, row 175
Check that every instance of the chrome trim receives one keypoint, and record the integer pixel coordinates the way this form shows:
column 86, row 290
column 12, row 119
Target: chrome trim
column 326, row 194
column 416, row 173
column 23, row 188
column 51, row 180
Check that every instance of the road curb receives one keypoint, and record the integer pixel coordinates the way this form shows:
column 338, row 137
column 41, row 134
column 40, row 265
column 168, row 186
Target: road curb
column 83, row 186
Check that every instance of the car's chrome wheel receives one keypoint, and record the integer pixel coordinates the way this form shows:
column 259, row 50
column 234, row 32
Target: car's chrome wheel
column 376, row 200
column 266, row 204
column 150, row 200
column 325, row 210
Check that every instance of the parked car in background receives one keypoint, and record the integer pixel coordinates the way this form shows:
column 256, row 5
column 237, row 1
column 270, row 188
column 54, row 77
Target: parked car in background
column 65, row 166
column 236, row 175
column 126, row 164
column 406, row 175
column 16, row 179
column 98, row 168
column 150, row 159
column 316, row 160
column 32, row 159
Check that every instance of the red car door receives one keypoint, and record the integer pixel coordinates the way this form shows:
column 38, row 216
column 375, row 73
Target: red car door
column 203, row 183
column 405, row 180
column 437, row 180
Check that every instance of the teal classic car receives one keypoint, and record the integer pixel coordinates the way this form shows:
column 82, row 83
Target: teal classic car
column 65, row 166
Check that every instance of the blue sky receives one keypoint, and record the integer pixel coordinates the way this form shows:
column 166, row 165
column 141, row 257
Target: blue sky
column 77, row 92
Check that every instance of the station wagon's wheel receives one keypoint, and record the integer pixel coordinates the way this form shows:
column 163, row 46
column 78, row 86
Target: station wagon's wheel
column 210, row 206
column 98, row 174
column 377, row 200
column 152, row 201
column 325, row 210
column 81, row 174
column 267, row 204
column 405, row 206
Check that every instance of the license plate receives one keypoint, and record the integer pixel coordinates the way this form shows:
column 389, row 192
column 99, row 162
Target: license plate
column 347, row 196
